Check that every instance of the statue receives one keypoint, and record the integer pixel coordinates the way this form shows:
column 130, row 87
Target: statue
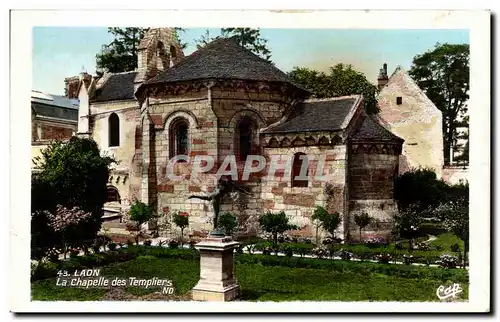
column 224, row 186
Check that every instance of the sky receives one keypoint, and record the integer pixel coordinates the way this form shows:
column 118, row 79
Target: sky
column 60, row 52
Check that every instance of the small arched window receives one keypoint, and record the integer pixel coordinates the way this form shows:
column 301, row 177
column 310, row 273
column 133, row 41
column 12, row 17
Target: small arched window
column 179, row 138
column 114, row 130
column 173, row 52
column 160, row 49
column 112, row 195
column 299, row 160
column 244, row 141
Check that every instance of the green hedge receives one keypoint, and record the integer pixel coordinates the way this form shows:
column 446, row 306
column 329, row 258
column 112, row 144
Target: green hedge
column 407, row 271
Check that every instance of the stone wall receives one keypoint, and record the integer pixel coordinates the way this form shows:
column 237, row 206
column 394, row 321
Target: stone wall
column 416, row 120
column 299, row 203
column 456, row 174
column 371, row 190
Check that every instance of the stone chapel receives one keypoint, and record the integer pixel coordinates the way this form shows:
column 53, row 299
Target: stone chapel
column 224, row 100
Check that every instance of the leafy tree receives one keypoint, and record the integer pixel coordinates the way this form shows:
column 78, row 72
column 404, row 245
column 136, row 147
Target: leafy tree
column 250, row 39
column 317, row 217
column 407, row 223
column 181, row 220
column 140, row 213
column 420, row 188
column 443, row 74
column 341, row 80
column 228, row 222
column 204, row 39
column 121, row 54
column 362, row 220
column 67, row 224
column 456, row 221
column 330, row 223
column 275, row 223
column 72, row 174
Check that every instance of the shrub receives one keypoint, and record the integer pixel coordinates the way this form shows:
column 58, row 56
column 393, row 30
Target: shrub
column 74, row 253
column 275, row 223
column 408, row 259
column 228, row 223
column 299, row 248
column 448, row 261
column 288, row 250
column 383, row 258
column 112, row 246
column 44, row 269
column 320, row 252
column 173, row 244
column 147, row 242
column 345, row 255
column 265, row 247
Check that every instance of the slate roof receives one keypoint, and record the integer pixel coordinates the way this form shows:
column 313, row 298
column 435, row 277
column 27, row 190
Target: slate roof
column 318, row 115
column 223, row 59
column 54, row 100
column 119, row 86
column 372, row 130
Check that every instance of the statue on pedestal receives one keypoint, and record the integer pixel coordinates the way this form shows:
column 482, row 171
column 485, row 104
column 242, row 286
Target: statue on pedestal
column 224, row 186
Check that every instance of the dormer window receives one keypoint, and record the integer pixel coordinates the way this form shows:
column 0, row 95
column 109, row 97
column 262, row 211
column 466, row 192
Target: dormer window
column 399, row 100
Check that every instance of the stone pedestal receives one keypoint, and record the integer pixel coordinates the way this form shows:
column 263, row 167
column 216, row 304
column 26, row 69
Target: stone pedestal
column 217, row 280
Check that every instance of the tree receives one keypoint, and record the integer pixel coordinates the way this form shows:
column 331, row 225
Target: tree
column 67, row 222
column 443, row 74
column 317, row 217
column 407, row 223
column 140, row 213
column 204, row 39
column 121, row 54
column 275, row 223
column 456, row 221
column 181, row 220
column 419, row 187
column 250, row 39
column 71, row 174
column 228, row 223
column 341, row 80
column 362, row 220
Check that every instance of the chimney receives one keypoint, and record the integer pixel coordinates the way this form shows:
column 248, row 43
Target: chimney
column 382, row 79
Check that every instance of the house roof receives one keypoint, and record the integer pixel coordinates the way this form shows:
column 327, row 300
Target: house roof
column 223, row 58
column 54, row 100
column 329, row 114
column 370, row 129
column 116, row 86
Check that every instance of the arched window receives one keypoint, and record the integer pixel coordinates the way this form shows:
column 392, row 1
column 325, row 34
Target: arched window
column 161, row 49
column 114, row 130
column 173, row 52
column 113, row 195
column 244, row 138
column 298, row 160
column 179, row 139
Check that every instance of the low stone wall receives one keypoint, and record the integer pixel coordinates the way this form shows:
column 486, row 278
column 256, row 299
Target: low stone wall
column 456, row 174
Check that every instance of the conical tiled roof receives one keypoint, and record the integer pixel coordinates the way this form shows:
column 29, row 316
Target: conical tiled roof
column 223, row 58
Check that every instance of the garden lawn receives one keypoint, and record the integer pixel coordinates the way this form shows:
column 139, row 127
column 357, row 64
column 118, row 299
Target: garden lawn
column 261, row 283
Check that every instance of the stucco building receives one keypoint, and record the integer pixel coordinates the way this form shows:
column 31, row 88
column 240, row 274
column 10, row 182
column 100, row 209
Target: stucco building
column 223, row 104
